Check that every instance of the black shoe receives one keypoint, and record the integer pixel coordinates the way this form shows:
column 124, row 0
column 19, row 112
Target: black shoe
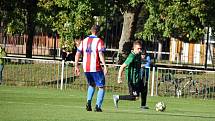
column 88, row 107
column 97, row 109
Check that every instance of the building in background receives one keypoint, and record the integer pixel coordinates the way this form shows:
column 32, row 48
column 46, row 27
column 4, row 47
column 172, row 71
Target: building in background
column 192, row 52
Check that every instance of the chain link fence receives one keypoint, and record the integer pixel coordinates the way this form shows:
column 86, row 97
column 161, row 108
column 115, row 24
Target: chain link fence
column 185, row 83
column 162, row 81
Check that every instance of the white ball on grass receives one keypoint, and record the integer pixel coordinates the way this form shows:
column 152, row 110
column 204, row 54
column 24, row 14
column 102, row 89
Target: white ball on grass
column 160, row 106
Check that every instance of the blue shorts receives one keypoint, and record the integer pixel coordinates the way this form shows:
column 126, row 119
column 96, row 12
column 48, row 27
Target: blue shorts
column 95, row 78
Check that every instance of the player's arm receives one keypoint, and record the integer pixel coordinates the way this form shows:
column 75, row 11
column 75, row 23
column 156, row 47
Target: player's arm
column 123, row 66
column 102, row 59
column 121, row 69
column 101, row 50
column 77, row 56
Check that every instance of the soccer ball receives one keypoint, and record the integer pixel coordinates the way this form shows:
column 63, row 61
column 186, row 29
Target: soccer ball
column 160, row 106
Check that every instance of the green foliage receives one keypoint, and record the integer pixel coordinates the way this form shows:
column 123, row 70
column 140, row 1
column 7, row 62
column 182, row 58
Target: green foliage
column 13, row 15
column 210, row 10
column 175, row 18
column 134, row 3
column 72, row 18
column 15, row 26
column 69, row 18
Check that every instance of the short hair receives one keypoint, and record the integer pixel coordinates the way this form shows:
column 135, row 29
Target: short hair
column 137, row 42
column 95, row 28
column 144, row 52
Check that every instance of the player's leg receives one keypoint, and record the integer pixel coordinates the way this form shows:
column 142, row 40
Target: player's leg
column 131, row 97
column 100, row 98
column 1, row 69
column 90, row 90
column 133, row 94
column 143, row 91
column 90, row 93
column 100, row 83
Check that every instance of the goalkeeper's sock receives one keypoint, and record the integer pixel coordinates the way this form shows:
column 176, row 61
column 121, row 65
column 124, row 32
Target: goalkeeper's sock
column 100, row 97
column 90, row 93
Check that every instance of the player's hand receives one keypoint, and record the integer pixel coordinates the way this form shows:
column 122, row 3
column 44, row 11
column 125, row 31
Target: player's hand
column 77, row 71
column 119, row 80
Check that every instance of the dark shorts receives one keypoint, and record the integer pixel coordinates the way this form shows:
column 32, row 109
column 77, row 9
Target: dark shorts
column 95, row 78
column 136, row 89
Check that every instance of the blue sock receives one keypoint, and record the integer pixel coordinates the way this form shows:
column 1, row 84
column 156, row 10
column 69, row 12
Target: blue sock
column 100, row 97
column 90, row 94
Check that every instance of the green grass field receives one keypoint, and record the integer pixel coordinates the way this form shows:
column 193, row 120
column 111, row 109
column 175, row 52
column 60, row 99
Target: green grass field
column 44, row 104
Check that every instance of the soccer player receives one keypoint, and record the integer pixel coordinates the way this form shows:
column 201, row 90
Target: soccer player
column 145, row 71
column 133, row 75
column 2, row 54
column 92, row 49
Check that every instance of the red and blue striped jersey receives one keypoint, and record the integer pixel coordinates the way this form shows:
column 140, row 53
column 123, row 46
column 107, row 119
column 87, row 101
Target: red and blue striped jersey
column 90, row 48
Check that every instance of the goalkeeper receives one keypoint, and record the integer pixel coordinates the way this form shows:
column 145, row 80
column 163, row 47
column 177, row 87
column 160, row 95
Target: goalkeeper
column 132, row 66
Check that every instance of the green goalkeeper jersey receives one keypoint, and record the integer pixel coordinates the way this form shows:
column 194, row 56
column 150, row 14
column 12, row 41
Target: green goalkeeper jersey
column 133, row 68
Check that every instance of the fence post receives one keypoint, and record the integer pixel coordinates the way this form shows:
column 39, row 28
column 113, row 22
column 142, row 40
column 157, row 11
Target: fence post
column 62, row 73
column 55, row 50
column 153, row 81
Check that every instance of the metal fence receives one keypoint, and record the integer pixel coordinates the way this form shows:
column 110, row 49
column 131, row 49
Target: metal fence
column 31, row 72
column 185, row 83
column 48, row 73
column 162, row 82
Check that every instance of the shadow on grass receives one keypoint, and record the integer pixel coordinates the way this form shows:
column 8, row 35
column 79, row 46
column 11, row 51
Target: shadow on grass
column 68, row 80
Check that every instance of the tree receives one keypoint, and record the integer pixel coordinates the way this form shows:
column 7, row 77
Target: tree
column 176, row 18
column 182, row 19
column 31, row 8
column 130, row 10
column 70, row 18
column 19, row 17
column 210, row 10
column 12, row 16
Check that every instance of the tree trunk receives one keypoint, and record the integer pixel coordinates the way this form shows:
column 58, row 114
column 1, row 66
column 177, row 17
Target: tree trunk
column 31, row 16
column 29, row 42
column 127, row 37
